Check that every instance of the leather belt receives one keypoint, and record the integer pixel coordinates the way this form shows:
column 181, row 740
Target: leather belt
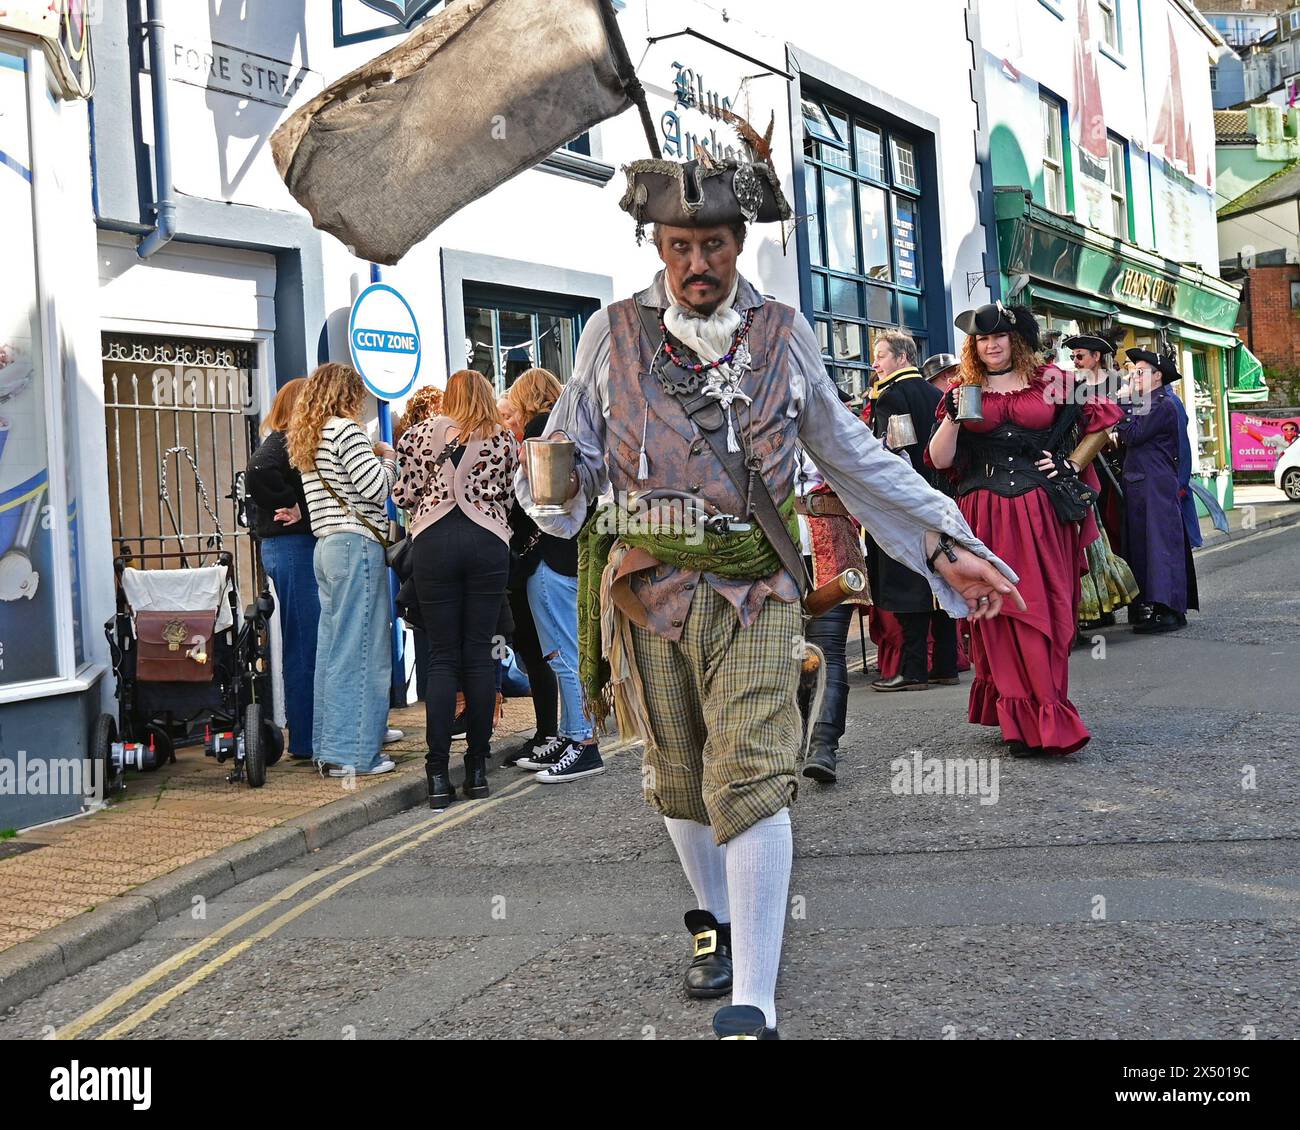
column 820, row 506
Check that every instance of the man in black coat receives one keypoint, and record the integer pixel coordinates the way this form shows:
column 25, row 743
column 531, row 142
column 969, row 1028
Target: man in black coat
column 902, row 417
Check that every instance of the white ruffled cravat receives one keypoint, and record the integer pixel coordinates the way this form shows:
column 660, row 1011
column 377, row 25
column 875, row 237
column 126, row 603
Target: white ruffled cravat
column 709, row 338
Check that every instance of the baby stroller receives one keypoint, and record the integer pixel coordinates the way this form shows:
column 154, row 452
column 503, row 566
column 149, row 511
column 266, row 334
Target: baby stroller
column 188, row 669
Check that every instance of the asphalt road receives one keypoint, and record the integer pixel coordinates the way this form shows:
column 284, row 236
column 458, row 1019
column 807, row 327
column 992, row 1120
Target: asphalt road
column 1147, row 887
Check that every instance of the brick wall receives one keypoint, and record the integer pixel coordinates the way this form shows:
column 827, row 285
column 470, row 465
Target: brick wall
column 1272, row 330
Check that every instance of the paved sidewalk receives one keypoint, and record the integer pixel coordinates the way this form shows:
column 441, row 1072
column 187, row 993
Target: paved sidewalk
column 178, row 815
column 1256, row 506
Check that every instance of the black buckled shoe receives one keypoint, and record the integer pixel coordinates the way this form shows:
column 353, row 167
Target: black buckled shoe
column 742, row 1022
column 819, row 765
column 709, row 974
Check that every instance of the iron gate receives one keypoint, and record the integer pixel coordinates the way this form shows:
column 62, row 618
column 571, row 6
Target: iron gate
column 180, row 422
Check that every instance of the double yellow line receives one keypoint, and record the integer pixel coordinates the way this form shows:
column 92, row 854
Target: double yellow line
column 393, row 847
column 400, row 843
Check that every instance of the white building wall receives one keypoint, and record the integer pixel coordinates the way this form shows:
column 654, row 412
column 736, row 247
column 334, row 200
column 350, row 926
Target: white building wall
column 221, row 150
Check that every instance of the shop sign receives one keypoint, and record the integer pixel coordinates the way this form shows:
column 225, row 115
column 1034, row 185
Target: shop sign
column 691, row 92
column 384, row 341
column 1150, row 290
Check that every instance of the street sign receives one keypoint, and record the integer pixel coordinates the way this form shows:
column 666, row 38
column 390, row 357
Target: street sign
column 384, row 341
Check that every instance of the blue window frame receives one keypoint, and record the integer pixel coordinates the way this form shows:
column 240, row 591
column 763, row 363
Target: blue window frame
column 863, row 189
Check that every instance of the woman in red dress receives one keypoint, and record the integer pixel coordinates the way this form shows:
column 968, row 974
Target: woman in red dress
column 1003, row 474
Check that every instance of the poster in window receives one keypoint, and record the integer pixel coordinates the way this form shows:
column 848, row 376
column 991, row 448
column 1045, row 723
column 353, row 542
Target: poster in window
column 905, row 243
column 28, row 631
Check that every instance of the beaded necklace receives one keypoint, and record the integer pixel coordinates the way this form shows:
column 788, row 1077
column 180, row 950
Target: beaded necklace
column 705, row 366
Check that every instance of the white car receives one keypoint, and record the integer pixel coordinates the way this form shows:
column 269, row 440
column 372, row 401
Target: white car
column 1286, row 475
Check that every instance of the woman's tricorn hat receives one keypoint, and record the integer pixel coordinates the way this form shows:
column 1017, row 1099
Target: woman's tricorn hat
column 708, row 191
column 1167, row 367
column 995, row 318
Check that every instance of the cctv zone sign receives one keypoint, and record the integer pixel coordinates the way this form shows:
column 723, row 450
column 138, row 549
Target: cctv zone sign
column 384, row 341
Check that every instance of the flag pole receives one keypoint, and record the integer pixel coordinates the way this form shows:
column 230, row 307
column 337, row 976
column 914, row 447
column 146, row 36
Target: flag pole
column 627, row 72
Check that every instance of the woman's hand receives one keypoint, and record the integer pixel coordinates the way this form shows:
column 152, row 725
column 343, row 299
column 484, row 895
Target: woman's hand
column 1051, row 465
column 384, row 451
column 979, row 583
column 288, row 515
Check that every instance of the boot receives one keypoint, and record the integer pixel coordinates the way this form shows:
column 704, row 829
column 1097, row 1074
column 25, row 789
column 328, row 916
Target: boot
column 441, row 794
column 476, row 784
column 820, row 762
column 709, row 974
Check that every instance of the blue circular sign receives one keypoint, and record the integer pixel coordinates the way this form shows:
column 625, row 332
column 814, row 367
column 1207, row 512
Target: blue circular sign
column 384, row 341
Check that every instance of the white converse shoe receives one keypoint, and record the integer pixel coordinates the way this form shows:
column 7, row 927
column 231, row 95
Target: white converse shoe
column 379, row 768
column 392, row 735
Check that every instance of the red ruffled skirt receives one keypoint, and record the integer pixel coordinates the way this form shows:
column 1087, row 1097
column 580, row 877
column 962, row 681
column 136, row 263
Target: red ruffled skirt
column 1022, row 659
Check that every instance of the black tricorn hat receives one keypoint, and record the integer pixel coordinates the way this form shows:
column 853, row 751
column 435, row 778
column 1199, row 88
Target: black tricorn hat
column 995, row 318
column 1089, row 341
column 1167, row 367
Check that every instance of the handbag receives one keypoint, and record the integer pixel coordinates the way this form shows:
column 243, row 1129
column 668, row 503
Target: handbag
column 401, row 558
column 1070, row 496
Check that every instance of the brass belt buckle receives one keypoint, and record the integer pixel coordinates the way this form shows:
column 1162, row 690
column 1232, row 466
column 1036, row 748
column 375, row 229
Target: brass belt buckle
column 706, row 943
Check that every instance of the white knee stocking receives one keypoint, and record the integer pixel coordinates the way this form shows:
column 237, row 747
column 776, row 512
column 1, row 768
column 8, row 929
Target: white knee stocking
column 705, row 864
column 758, row 881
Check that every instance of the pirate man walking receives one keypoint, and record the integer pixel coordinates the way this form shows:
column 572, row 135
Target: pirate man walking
column 700, row 391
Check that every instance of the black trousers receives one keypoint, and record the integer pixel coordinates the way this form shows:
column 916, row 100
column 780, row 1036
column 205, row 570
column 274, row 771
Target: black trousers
column 830, row 632
column 541, row 679
column 460, row 577
column 917, row 628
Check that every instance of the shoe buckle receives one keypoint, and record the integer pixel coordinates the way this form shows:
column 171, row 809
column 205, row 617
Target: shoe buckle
column 706, row 942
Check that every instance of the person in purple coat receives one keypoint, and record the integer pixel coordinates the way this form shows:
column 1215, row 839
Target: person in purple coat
column 1157, row 470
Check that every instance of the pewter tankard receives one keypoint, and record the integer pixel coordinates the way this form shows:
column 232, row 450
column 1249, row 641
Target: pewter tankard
column 549, row 465
column 900, row 431
column 970, row 402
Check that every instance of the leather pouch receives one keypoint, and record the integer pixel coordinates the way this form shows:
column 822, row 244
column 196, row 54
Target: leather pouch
column 174, row 647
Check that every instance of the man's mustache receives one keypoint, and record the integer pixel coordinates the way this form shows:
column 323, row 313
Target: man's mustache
column 710, row 279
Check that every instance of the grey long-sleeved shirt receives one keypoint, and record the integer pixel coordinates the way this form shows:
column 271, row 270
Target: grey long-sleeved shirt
column 893, row 503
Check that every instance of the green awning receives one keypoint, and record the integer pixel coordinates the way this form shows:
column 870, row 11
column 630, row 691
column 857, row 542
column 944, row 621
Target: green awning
column 1249, row 386
column 1204, row 337
column 1085, row 304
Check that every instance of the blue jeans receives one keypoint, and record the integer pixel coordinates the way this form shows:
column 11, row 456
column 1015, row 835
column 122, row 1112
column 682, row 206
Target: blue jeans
column 354, row 656
column 553, row 597
column 288, row 562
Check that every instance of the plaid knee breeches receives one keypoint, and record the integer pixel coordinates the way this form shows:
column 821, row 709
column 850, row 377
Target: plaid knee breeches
column 724, row 714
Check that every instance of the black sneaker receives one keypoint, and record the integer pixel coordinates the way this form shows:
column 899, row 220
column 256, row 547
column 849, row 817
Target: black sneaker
column 533, row 747
column 576, row 761
column 550, row 754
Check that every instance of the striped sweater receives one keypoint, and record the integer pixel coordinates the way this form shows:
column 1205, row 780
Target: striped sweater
column 346, row 460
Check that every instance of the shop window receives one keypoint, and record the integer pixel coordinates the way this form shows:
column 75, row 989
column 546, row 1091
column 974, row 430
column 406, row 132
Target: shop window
column 1050, row 111
column 42, row 637
column 509, row 331
column 863, row 190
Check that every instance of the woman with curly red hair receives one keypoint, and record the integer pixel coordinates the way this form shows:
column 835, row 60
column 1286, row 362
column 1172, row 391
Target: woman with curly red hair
column 1016, row 472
